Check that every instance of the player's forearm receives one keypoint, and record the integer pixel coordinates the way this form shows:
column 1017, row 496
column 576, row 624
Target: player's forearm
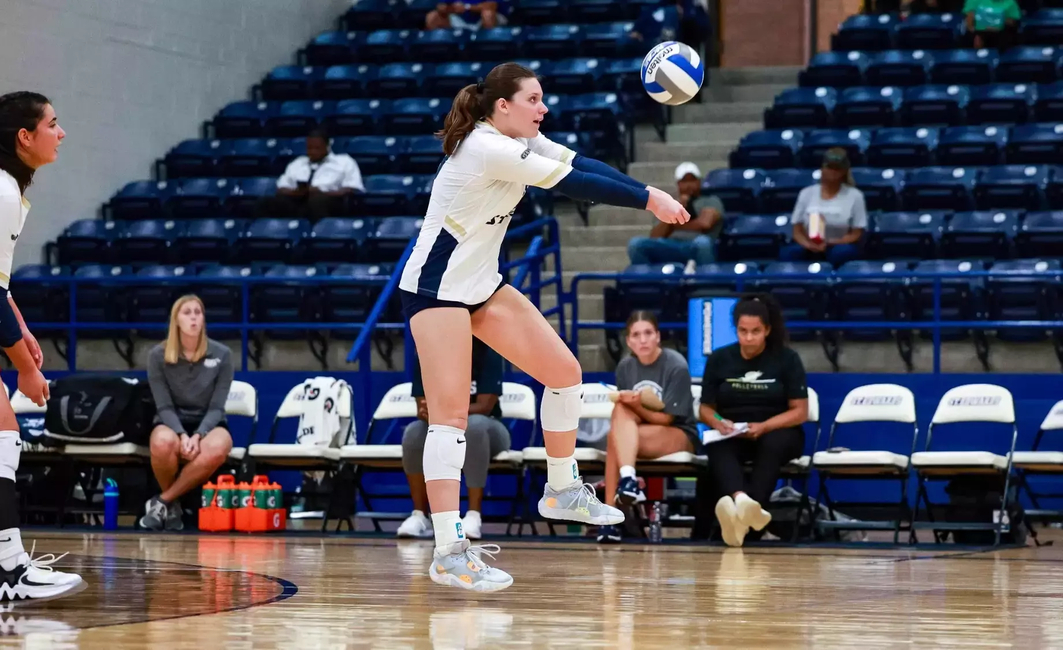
column 592, row 166
column 585, row 186
column 20, row 356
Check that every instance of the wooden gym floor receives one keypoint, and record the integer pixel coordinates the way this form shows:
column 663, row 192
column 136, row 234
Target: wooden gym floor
column 236, row 593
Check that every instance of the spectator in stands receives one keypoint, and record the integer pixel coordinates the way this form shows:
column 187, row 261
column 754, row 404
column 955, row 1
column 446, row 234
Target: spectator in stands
column 693, row 241
column 653, row 415
column 758, row 382
column 314, row 186
column 486, row 437
column 190, row 376
column 830, row 217
column 686, row 21
column 467, row 15
column 992, row 23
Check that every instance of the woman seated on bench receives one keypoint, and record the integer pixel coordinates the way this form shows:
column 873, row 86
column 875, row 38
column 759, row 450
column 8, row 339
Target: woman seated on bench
column 190, row 376
column 653, row 416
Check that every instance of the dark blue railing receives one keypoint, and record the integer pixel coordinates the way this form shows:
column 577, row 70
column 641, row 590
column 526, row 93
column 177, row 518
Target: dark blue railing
column 741, row 283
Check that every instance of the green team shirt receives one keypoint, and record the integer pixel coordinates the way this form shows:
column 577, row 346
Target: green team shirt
column 991, row 14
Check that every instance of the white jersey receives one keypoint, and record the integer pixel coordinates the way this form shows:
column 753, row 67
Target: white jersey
column 13, row 210
column 473, row 197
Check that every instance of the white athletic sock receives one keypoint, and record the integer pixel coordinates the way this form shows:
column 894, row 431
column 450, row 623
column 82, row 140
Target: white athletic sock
column 10, row 548
column 448, row 531
column 627, row 471
column 561, row 473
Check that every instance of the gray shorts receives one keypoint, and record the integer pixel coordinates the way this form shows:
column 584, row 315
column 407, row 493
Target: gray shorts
column 485, row 438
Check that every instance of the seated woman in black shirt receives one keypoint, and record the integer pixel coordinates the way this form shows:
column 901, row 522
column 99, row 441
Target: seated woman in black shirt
column 758, row 381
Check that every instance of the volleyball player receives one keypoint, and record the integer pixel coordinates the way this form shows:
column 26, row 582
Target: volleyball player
column 29, row 138
column 451, row 291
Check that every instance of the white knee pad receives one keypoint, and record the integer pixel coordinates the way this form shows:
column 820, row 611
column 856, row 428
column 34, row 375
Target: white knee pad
column 444, row 453
column 561, row 408
column 10, row 450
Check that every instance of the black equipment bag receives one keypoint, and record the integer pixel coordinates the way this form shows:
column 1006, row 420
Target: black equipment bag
column 99, row 409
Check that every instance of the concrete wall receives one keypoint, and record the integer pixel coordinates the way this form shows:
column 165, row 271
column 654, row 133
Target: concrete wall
column 131, row 78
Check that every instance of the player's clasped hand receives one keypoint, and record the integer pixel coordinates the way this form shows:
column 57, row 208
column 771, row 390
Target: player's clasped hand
column 666, row 208
column 34, row 386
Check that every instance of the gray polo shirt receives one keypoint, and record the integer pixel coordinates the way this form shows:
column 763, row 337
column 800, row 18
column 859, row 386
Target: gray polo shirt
column 841, row 214
column 191, row 395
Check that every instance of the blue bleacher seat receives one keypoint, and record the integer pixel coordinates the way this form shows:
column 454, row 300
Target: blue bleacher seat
column 775, row 149
column 87, row 241
column 539, row 12
column 1001, row 104
column 599, row 113
column 140, row 200
column 552, row 41
column 865, row 32
column 725, row 276
column 754, row 237
column 391, row 237
column 817, row 142
column 100, row 301
column 1023, row 290
column 739, row 189
column 779, row 194
column 1035, row 144
column 244, row 119
column 286, row 298
column 881, row 187
column 636, row 291
column 1044, row 27
column 929, row 32
column 207, row 240
column 573, row 76
column 867, row 106
column 248, row 157
column 803, row 296
column 905, row 235
column 386, row 194
column 902, row 147
column 926, row 105
column 592, row 11
column 415, row 116
column 288, row 82
column 1054, row 188
column 857, row 296
column 801, row 107
column 373, row 14
column 248, row 193
column 1048, row 107
column 422, row 155
column 1031, row 64
column 385, row 46
column 336, row 239
column 1012, row 186
column 397, row 80
column 940, row 188
column 219, row 287
column 411, row 13
column 960, row 299
column 147, row 240
column 357, row 116
column 495, row 44
column 51, row 297
column 899, row 68
column 296, row 118
column 345, row 81
column 987, row 234
column 609, row 40
column 332, row 48
column 192, row 158
column 351, row 303
column 375, row 154
column 834, row 70
column 152, row 301
column 448, row 78
column 963, row 67
column 972, row 145
column 288, row 149
column 199, row 197
column 437, row 44
column 1040, row 235
column 622, row 75
column 271, row 240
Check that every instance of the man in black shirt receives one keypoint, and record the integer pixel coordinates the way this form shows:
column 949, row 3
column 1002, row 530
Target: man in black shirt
column 759, row 383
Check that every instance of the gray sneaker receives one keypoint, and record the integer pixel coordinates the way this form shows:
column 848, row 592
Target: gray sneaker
column 155, row 514
column 578, row 503
column 467, row 569
column 174, row 514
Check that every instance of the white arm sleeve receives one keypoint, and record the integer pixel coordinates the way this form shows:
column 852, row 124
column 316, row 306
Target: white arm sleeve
column 507, row 159
column 547, row 148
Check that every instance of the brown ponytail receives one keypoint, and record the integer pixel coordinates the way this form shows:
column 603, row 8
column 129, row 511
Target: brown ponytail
column 477, row 101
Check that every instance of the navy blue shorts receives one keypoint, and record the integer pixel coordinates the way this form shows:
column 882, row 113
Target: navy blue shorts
column 413, row 303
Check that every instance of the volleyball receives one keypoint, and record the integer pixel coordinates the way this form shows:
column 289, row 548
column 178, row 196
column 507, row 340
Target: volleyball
column 672, row 73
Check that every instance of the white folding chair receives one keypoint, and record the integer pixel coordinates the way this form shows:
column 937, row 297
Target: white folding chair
column 596, row 404
column 1042, row 462
column 966, row 404
column 242, row 402
column 294, row 455
column 801, row 467
column 871, row 403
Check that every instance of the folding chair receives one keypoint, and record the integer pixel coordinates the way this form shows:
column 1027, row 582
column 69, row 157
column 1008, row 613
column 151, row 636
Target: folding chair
column 1040, row 462
column 517, row 403
column 242, row 402
column 871, row 403
column 966, row 404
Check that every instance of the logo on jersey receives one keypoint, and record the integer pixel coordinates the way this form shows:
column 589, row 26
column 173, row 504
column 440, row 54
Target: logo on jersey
column 14, row 237
column 525, row 154
column 751, row 381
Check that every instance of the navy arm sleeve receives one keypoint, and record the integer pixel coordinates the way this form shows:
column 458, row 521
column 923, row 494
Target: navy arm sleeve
column 592, row 166
column 596, row 188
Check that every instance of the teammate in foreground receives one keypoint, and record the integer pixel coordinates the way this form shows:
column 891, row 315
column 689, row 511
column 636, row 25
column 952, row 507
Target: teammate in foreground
column 451, row 291
column 29, row 138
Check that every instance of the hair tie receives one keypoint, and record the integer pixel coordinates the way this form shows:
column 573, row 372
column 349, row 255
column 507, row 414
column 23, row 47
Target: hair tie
column 480, row 87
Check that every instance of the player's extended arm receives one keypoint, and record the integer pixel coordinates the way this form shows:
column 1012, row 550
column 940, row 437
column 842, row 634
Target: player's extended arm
column 585, row 164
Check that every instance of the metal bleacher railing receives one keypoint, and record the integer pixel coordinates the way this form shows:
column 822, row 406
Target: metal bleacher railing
column 740, row 284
